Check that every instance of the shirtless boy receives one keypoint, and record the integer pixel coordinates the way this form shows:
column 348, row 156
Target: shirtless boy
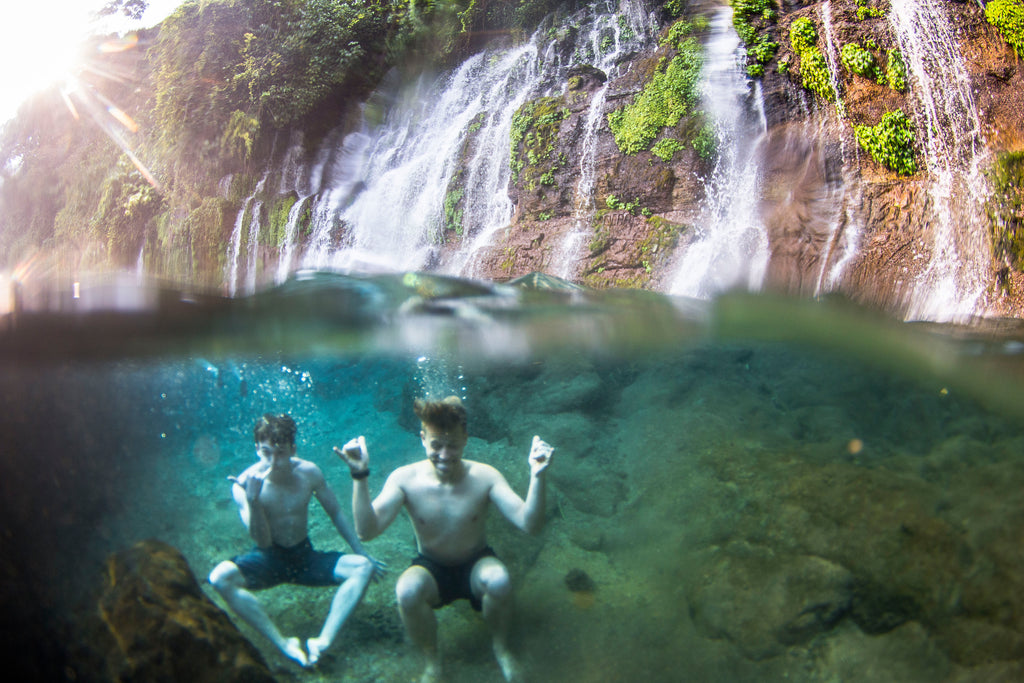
column 273, row 498
column 447, row 499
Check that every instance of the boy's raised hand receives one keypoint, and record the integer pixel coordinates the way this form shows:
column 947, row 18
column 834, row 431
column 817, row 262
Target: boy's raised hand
column 540, row 455
column 354, row 455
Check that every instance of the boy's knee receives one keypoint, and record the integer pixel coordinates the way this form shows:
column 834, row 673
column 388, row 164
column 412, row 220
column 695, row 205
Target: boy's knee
column 225, row 576
column 409, row 591
column 497, row 584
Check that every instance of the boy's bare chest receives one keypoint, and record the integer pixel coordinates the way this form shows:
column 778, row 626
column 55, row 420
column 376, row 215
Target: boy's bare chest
column 446, row 507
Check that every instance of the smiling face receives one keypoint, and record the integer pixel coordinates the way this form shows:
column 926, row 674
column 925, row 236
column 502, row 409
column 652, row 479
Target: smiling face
column 444, row 449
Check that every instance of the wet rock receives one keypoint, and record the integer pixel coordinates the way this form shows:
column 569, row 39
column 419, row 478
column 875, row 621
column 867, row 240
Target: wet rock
column 764, row 602
column 578, row 580
column 165, row 628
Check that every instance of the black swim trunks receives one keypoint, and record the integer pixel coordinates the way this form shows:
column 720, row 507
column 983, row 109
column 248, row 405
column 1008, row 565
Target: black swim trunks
column 453, row 583
column 300, row 563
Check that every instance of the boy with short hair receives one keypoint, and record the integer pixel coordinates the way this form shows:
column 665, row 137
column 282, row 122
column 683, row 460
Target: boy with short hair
column 273, row 497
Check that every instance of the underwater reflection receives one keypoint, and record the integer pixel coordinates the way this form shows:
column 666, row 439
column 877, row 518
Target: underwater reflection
column 754, row 490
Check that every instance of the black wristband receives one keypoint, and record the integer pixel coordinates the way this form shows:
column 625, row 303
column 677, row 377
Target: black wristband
column 361, row 475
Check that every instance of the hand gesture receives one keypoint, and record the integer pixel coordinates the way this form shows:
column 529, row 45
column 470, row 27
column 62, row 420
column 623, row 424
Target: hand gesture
column 252, row 484
column 540, row 455
column 380, row 568
column 354, row 455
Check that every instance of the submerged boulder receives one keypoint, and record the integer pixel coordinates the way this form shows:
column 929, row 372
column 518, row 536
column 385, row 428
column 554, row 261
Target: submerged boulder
column 165, row 628
column 764, row 602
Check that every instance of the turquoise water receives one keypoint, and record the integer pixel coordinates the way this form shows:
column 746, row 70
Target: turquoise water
column 757, row 489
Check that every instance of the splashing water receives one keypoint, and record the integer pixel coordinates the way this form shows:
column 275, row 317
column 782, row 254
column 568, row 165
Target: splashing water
column 731, row 245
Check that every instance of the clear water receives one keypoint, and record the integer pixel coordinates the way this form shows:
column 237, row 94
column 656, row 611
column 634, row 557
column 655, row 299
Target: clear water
column 760, row 489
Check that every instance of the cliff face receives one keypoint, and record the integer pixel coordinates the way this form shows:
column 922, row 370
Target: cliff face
column 835, row 219
column 625, row 176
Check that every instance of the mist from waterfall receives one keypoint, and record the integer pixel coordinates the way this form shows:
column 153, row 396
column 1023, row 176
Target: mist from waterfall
column 948, row 131
column 730, row 247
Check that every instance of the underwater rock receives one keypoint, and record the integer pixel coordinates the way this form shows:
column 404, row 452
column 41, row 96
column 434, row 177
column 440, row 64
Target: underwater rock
column 166, row 629
column 763, row 602
column 578, row 580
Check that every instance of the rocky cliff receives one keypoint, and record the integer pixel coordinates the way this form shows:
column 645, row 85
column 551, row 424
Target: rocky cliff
column 880, row 156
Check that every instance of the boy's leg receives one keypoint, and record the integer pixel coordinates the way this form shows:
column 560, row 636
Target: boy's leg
column 227, row 579
column 490, row 582
column 354, row 572
column 417, row 593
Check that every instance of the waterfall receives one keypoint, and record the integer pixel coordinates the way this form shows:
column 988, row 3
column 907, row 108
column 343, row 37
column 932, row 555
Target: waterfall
column 730, row 247
column 627, row 32
column 845, row 212
column 253, row 247
column 235, row 241
column 449, row 134
column 289, row 240
column 565, row 257
column 948, row 125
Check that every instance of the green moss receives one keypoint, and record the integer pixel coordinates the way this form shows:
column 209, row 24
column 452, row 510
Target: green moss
column 891, row 142
column 1005, row 208
column 1008, row 18
column 670, row 95
column 534, row 136
column 273, row 233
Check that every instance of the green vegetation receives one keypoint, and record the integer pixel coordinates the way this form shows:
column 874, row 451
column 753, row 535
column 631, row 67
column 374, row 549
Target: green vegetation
column 866, row 11
column 670, row 95
column 1006, row 208
column 1008, row 18
column 896, row 71
column 453, row 211
column 752, row 20
column 535, row 128
column 859, row 61
column 891, row 142
column 814, row 73
column 127, row 203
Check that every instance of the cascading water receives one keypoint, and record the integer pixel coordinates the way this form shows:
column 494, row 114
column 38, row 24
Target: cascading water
column 451, row 135
column 949, row 128
column 609, row 38
column 845, row 196
column 730, row 248
column 235, row 242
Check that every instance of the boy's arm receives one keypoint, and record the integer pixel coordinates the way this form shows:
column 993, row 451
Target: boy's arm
column 528, row 515
column 329, row 502
column 246, row 492
column 371, row 518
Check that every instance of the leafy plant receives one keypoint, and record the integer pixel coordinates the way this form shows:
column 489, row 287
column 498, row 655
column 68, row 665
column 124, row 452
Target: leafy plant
column 1008, row 18
column 896, row 71
column 814, row 73
column 752, row 19
column 866, row 11
column 859, row 61
column 890, row 142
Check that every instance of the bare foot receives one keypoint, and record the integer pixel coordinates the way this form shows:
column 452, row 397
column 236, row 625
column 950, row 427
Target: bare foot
column 293, row 650
column 316, row 646
column 510, row 667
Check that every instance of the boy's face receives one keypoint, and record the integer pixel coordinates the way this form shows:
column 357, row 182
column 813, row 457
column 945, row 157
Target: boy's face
column 444, row 447
column 275, row 454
